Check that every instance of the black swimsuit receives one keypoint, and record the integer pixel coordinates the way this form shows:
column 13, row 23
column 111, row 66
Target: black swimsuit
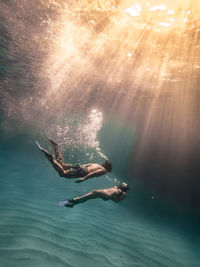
column 78, row 171
column 117, row 195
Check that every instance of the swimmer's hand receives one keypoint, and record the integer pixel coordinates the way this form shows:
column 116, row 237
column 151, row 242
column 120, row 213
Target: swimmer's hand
column 80, row 180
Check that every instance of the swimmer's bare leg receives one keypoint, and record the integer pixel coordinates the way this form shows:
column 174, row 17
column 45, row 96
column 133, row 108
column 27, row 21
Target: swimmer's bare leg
column 56, row 150
column 92, row 195
column 61, row 171
column 57, row 166
column 58, row 155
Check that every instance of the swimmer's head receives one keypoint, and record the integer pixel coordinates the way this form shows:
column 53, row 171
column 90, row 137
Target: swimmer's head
column 124, row 187
column 107, row 165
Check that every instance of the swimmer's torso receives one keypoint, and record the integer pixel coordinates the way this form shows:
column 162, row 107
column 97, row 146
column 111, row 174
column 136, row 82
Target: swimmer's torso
column 112, row 193
column 84, row 169
column 93, row 167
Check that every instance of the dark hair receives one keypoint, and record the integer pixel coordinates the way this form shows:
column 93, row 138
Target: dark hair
column 124, row 187
column 107, row 165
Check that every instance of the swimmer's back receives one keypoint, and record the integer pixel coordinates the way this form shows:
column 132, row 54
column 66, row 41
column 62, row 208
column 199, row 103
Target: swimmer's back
column 94, row 167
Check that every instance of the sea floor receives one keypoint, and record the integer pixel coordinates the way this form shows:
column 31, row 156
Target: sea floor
column 35, row 231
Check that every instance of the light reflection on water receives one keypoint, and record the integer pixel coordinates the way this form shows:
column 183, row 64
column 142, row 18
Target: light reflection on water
column 160, row 15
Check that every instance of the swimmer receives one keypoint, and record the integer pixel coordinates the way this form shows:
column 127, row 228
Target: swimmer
column 66, row 170
column 116, row 194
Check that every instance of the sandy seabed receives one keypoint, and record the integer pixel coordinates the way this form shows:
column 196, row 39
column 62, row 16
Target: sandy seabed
column 35, row 231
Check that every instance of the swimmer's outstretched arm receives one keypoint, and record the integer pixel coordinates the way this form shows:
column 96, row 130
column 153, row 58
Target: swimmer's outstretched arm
column 90, row 175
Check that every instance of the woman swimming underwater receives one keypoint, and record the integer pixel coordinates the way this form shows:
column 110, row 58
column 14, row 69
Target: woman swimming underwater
column 116, row 194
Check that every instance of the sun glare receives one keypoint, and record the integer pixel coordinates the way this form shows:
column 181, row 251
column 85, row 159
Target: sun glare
column 158, row 8
column 134, row 10
column 103, row 47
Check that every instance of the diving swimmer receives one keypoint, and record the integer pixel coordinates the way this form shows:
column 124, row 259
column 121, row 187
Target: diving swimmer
column 116, row 194
column 66, row 170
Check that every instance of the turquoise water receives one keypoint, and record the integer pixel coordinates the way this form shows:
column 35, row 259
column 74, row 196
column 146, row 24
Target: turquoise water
column 35, row 231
